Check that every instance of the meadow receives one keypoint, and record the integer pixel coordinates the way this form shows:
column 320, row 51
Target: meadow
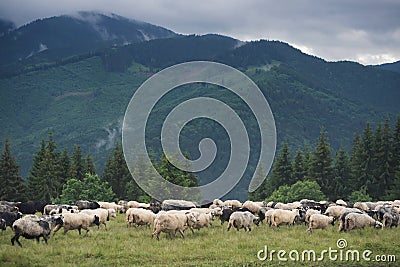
column 122, row 246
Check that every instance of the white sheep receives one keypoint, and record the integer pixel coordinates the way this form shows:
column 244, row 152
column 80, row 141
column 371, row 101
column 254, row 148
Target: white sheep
column 203, row 220
column 218, row 202
column 310, row 212
column 268, row 215
column 233, row 203
column 31, row 228
column 319, row 221
column 361, row 206
column 242, row 219
column 77, row 221
column 335, row 211
column 139, row 216
column 252, row 206
column 357, row 221
column 103, row 214
column 341, row 202
column 284, row 217
column 283, row 206
column 111, row 205
column 172, row 222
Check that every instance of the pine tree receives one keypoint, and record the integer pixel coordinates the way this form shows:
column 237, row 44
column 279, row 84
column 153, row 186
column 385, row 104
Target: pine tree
column 12, row 187
column 64, row 168
column 307, row 157
column 356, row 163
column 117, row 173
column 44, row 179
column 342, row 175
column 89, row 164
column 282, row 170
column 78, row 167
column 367, row 155
column 383, row 172
column 322, row 166
column 299, row 168
column 394, row 187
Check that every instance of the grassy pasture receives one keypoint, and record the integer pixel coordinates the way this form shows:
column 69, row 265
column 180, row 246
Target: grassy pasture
column 121, row 246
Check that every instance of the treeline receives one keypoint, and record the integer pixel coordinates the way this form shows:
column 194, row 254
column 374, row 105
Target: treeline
column 58, row 177
column 370, row 171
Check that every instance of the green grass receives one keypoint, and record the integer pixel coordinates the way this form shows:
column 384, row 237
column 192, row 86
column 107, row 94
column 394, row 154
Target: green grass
column 121, row 246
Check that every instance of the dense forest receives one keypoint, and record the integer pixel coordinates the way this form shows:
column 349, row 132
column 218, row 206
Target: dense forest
column 58, row 177
column 370, row 171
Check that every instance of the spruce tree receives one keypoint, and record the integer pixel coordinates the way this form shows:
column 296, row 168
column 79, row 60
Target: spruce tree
column 282, row 170
column 299, row 168
column 78, row 164
column 356, row 159
column 44, row 179
column 12, row 187
column 89, row 164
column 367, row 158
column 64, row 168
column 116, row 173
column 342, row 175
column 383, row 173
column 322, row 166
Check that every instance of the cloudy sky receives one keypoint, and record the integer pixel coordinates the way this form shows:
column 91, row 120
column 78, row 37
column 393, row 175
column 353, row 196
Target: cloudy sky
column 366, row 31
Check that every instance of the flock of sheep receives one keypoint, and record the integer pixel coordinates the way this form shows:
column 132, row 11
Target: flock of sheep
column 176, row 216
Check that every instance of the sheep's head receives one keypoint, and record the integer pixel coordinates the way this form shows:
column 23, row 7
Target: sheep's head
column 378, row 225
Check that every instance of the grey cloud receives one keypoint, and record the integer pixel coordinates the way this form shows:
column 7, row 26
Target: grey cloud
column 360, row 30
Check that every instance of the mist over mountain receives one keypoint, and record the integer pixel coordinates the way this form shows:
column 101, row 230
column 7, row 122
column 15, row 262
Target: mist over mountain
column 76, row 75
column 67, row 35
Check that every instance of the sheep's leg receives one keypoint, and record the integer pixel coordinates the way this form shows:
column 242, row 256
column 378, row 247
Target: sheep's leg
column 58, row 227
column 37, row 239
column 249, row 229
column 229, row 226
column 87, row 231
column 181, row 232
column 105, row 226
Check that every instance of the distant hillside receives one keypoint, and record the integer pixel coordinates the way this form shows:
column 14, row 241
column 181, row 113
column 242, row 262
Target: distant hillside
column 395, row 66
column 63, row 36
column 83, row 97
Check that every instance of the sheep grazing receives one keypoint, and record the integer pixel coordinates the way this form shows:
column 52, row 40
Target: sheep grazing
column 342, row 217
column 203, row 220
column 32, row 228
column 172, row 222
column 3, row 224
column 319, row 221
column 268, row 215
column 359, row 221
column 135, row 204
column 111, row 205
column 310, row 212
column 390, row 219
column 218, row 202
column 10, row 217
column 335, row 211
column 103, row 214
column 78, row 221
column 8, row 208
column 284, row 217
column 341, row 202
column 139, row 216
column 233, row 203
column 242, row 219
column 361, row 206
column 252, row 206
column 85, row 204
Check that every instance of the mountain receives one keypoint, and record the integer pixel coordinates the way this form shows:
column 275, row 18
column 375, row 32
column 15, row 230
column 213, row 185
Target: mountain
column 395, row 66
column 83, row 98
column 63, row 36
column 6, row 26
